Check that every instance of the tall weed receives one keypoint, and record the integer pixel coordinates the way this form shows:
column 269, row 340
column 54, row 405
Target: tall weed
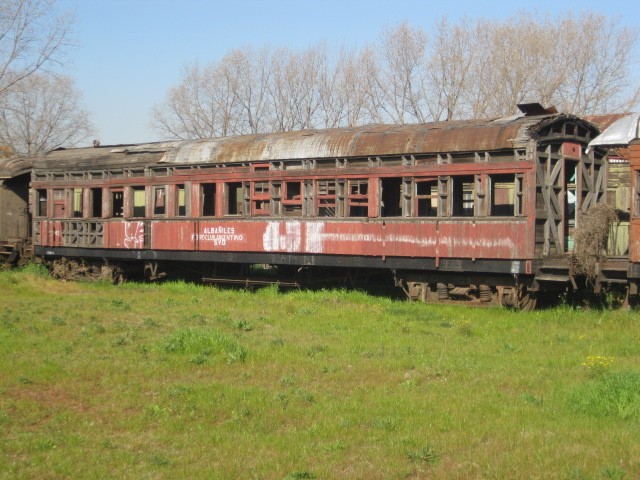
column 612, row 394
column 203, row 344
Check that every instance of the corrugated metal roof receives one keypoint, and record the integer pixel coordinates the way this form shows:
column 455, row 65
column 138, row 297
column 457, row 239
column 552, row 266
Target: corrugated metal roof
column 375, row 140
column 378, row 140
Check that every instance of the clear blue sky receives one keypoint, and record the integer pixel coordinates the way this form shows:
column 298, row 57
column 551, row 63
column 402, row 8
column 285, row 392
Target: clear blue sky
column 132, row 51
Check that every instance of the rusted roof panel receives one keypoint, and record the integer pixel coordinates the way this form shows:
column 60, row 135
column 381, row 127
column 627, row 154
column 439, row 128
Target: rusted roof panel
column 378, row 140
column 375, row 140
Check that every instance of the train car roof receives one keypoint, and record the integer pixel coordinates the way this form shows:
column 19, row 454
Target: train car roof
column 14, row 166
column 374, row 140
column 619, row 132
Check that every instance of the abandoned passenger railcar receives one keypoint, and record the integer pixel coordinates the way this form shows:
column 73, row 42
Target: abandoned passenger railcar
column 479, row 210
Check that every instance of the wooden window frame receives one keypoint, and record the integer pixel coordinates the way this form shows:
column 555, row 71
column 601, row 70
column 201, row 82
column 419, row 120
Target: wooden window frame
column 261, row 197
column 430, row 197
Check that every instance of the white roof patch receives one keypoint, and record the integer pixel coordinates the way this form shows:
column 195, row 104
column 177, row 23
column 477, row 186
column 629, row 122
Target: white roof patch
column 620, row 132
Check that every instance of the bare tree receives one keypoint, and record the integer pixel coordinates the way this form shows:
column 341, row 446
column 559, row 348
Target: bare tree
column 32, row 38
column 294, row 88
column 400, row 70
column 452, row 54
column 42, row 113
column 341, row 92
column 252, row 74
column 597, row 53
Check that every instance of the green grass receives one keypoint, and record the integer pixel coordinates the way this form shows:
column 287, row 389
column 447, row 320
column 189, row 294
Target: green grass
column 187, row 381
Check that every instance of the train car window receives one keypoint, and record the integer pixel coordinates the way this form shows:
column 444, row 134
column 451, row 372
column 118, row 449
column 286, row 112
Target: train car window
column 41, row 198
column 139, row 202
column 503, row 195
column 391, row 197
column 260, row 198
column 159, row 201
column 96, row 202
column 234, row 198
column 426, row 198
column 58, row 203
column 117, row 203
column 77, row 202
column 463, row 196
column 292, row 201
column 358, row 201
column 181, row 201
column 326, row 195
column 208, row 199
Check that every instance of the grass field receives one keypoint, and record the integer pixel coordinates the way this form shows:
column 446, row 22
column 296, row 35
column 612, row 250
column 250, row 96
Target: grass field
column 184, row 381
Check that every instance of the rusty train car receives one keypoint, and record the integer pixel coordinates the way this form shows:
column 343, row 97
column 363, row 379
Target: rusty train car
column 478, row 211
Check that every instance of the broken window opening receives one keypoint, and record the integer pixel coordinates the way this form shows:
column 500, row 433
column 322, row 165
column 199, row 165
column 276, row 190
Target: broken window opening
column 181, row 201
column 77, row 203
column 505, row 194
column 292, row 201
column 159, row 201
column 326, row 198
column 358, row 201
column 117, row 203
column 96, row 202
column 58, row 203
column 234, row 198
column 463, row 196
column 41, row 198
column 391, row 197
column 260, row 198
column 208, row 199
column 139, row 202
column 426, row 198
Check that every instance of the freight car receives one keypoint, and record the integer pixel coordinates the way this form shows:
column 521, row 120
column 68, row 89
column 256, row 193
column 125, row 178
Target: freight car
column 478, row 211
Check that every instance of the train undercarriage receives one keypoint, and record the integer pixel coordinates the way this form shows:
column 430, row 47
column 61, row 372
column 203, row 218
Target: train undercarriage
column 517, row 291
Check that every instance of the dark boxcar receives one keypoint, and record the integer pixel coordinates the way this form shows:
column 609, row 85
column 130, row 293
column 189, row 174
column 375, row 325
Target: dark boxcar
column 15, row 222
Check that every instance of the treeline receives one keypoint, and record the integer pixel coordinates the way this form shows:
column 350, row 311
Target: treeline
column 469, row 69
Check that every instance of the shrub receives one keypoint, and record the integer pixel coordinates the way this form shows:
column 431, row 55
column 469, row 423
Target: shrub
column 37, row 269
